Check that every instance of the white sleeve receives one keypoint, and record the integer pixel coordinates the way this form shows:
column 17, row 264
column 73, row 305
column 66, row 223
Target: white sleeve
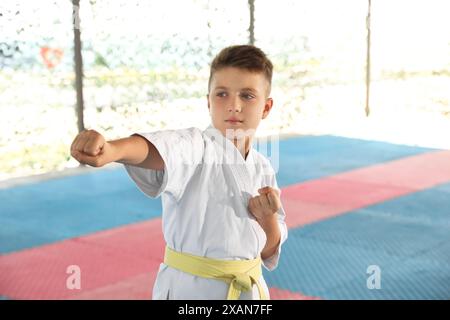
column 272, row 262
column 181, row 151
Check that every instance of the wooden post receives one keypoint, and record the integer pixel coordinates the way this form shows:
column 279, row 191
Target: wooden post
column 251, row 28
column 78, row 65
column 368, row 61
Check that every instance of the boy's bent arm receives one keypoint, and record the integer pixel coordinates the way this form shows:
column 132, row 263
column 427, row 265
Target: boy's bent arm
column 273, row 234
column 137, row 151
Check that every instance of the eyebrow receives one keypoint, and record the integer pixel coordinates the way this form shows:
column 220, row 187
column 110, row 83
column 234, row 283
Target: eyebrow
column 243, row 89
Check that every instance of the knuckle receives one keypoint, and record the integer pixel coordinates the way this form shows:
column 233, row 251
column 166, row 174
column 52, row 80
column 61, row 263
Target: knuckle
column 98, row 141
column 89, row 149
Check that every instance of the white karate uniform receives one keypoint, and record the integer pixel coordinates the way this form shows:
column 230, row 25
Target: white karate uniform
column 205, row 186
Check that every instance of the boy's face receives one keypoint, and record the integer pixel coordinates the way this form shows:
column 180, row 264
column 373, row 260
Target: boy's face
column 238, row 100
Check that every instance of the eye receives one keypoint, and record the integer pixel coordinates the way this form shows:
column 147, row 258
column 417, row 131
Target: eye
column 247, row 96
column 221, row 94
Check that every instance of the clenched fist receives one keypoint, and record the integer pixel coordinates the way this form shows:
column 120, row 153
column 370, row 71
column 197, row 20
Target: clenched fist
column 89, row 147
column 266, row 204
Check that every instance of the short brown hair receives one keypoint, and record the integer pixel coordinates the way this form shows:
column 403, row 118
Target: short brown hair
column 245, row 57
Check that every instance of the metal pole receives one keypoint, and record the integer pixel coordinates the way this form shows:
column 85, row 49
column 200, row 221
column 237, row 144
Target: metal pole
column 78, row 65
column 251, row 28
column 368, row 60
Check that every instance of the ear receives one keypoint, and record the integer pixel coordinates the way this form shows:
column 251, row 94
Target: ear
column 207, row 99
column 267, row 107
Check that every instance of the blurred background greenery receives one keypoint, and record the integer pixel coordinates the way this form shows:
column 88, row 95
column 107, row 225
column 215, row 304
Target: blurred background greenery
column 146, row 66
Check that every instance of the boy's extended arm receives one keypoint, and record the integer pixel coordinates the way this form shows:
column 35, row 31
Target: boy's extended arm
column 138, row 151
column 90, row 147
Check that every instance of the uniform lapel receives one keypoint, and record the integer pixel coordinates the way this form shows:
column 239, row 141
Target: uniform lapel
column 231, row 157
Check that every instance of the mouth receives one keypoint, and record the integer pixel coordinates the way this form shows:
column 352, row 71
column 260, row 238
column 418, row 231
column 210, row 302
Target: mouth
column 233, row 121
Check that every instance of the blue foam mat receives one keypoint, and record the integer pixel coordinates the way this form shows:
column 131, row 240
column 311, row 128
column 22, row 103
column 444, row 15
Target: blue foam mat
column 53, row 210
column 407, row 237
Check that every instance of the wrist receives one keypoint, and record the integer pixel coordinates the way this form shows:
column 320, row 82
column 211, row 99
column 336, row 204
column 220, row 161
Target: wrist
column 115, row 152
column 268, row 223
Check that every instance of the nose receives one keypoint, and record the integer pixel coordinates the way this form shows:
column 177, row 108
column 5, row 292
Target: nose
column 235, row 105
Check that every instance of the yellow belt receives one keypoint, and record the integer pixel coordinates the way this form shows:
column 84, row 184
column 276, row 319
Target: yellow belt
column 240, row 274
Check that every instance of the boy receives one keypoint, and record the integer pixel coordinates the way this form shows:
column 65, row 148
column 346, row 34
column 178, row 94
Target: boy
column 222, row 214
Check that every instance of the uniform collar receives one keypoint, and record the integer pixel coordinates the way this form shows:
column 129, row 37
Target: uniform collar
column 228, row 146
